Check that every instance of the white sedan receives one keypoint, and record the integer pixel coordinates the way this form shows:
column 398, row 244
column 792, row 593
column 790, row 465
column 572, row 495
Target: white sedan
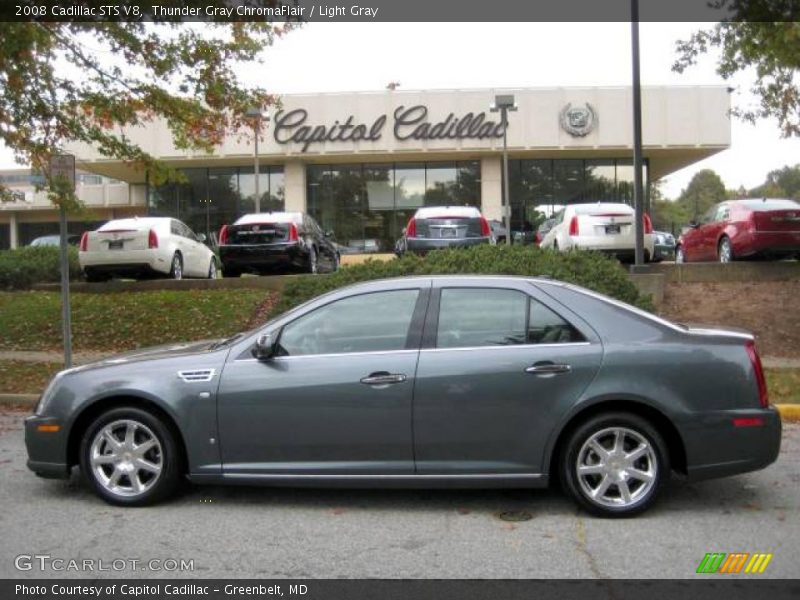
column 144, row 247
column 602, row 226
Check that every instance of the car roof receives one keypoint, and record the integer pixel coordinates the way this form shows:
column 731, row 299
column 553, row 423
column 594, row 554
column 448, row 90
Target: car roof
column 430, row 212
column 269, row 217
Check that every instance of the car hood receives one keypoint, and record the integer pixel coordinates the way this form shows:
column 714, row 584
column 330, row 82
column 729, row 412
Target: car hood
column 152, row 353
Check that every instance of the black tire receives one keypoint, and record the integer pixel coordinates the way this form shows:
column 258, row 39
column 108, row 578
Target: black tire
column 229, row 272
column 335, row 265
column 212, row 269
column 176, row 267
column 612, row 503
column 725, row 250
column 166, row 454
column 95, row 277
column 313, row 262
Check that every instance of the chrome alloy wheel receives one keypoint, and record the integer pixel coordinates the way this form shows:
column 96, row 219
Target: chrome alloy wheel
column 725, row 251
column 616, row 467
column 177, row 267
column 126, row 458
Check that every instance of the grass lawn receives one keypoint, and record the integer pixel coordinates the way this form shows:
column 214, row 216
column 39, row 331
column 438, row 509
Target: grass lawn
column 21, row 377
column 783, row 385
column 125, row 321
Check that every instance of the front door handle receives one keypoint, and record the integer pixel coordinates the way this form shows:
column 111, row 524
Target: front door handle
column 383, row 378
column 548, row 368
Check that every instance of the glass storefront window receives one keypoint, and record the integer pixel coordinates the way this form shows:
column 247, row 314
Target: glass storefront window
column 409, row 186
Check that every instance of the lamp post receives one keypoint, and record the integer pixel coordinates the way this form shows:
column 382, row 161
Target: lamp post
column 503, row 103
column 638, row 187
column 255, row 113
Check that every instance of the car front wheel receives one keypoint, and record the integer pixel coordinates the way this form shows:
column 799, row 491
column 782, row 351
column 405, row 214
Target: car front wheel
column 212, row 269
column 176, row 270
column 312, row 261
column 130, row 457
column 725, row 250
column 614, row 464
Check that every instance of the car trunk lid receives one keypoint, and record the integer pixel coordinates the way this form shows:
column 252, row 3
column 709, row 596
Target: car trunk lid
column 448, row 227
column 777, row 220
column 259, row 233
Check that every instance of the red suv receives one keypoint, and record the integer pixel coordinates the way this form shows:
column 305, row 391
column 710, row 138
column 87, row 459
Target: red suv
column 740, row 228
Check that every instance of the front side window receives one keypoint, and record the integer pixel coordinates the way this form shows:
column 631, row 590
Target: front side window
column 475, row 317
column 376, row 322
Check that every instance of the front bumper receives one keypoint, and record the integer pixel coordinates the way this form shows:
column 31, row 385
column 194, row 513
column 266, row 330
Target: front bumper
column 47, row 451
column 423, row 245
column 715, row 447
column 662, row 252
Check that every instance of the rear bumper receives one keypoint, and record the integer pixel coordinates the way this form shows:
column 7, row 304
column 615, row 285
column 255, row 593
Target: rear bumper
column 47, row 452
column 135, row 261
column 423, row 245
column 715, row 447
column 614, row 244
column 766, row 242
column 263, row 257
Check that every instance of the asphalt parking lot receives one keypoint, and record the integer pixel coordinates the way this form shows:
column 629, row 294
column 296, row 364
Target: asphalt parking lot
column 291, row 533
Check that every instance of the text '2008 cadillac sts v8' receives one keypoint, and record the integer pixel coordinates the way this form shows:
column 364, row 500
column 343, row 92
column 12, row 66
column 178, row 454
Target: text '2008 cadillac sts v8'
column 427, row 381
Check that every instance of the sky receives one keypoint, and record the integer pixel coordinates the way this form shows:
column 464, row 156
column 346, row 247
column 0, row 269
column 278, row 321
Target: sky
column 340, row 57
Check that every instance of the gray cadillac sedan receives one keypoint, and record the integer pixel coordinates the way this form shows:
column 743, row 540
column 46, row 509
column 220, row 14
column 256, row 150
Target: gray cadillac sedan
column 460, row 381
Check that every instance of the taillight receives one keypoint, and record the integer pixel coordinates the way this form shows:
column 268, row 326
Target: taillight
column 223, row 235
column 758, row 369
column 486, row 231
column 411, row 228
column 152, row 239
column 84, row 241
column 648, row 224
column 292, row 232
column 573, row 226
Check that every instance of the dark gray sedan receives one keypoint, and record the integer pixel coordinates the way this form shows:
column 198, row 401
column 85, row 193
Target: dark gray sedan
column 429, row 381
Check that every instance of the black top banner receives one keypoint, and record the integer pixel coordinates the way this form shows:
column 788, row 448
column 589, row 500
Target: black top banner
column 399, row 10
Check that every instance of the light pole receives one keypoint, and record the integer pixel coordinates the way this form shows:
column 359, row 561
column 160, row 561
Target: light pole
column 255, row 113
column 638, row 188
column 505, row 103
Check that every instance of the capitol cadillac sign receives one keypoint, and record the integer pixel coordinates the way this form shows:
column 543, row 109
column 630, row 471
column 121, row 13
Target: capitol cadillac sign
column 412, row 123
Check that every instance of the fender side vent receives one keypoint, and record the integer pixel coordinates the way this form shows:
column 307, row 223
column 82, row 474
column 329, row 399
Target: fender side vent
column 198, row 376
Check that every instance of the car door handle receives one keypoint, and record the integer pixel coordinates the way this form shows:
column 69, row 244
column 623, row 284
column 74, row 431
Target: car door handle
column 383, row 378
column 548, row 369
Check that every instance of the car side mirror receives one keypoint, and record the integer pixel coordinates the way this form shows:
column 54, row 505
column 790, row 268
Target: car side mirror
column 265, row 347
column 694, row 224
column 201, row 237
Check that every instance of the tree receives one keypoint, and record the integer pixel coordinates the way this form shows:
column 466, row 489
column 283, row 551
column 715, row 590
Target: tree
column 763, row 35
column 68, row 82
column 780, row 183
column 704, row 190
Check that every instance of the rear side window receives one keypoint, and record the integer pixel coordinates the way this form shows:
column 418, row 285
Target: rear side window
column 476, row 317
column 377, row 322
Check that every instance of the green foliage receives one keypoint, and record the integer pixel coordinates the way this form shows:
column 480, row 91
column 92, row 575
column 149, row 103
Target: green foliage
column 780, row 183
column 21, row 268
column 761, row 38
column 123, row 321
column 131, row 74
column 588, row 269
column 704, row 190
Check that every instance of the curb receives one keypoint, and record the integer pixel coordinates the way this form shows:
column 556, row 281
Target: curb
column 790, row 413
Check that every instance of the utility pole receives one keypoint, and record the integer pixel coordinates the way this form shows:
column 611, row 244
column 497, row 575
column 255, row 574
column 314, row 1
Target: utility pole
column 638, row 187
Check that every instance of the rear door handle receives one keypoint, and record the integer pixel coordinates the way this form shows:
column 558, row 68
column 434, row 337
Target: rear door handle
column 548, row 369
column 383, row 378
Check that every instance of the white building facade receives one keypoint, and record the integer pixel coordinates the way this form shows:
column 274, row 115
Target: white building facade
column 362, row 163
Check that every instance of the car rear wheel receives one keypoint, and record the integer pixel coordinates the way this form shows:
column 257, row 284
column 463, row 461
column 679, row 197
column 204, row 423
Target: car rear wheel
column 680, row 257
column 176, row 270
column 725, row 250
column 130, row 458
column 614, row 464
column 95, row 277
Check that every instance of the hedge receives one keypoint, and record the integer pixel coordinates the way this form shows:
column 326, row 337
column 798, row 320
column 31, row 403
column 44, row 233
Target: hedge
column 588, row 269
column 21, row 268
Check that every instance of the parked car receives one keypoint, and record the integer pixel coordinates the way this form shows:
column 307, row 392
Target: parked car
column 145, row 247
column 499, row 232
column 421, row 381
column 434, row 227
column 543, row 230
column 273, row 242
column 664, row 246
column 735, row 229
column 55, row 240
column 602, row 226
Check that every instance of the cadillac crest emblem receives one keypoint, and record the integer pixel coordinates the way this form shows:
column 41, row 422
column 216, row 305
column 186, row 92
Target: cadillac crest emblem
column 578, row 121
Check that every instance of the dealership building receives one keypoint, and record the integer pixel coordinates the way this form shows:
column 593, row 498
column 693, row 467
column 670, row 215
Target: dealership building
column 362, row 163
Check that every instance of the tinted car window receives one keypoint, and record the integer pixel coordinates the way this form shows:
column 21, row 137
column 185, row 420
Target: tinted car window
column 481, row 317
column 546, row 327
column 366, row 323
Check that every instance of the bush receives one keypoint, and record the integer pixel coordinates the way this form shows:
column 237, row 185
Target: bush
column 21, row 268
column 588, row 269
